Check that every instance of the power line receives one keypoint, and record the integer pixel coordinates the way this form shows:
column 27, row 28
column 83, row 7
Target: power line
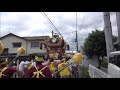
column 92, row 25
column 51, row 23
column 82, row 23
column 46, row 19
column 76, row 40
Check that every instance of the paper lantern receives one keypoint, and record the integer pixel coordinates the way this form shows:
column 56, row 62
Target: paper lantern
column 78, row 57
column 1, row 47
column 21, row 50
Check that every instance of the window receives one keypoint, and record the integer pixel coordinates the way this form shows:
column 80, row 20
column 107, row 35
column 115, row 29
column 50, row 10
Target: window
column 5, row 51
column 34, row 44
column 18, row 44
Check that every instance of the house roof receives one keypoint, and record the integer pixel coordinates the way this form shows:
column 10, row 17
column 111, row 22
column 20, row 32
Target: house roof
column 36, row 37
column 27, row 38
column 12, row 35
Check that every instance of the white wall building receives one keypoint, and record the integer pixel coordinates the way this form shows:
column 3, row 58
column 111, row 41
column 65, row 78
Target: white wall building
column 12, row 42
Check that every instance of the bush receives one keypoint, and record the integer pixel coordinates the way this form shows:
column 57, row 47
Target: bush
column 85, row 72
column 104, row 64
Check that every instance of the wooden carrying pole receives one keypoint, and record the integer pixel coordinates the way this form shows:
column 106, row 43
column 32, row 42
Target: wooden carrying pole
column 62, row 69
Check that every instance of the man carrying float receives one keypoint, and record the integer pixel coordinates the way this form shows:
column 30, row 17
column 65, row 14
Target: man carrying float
column 76, row 59
column 65, row 73
column 39, row 70
column 5, row 70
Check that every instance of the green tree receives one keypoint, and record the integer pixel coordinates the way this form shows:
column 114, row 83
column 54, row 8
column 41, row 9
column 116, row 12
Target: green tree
column 95, row 44
column 116, row 43
column 114, row 38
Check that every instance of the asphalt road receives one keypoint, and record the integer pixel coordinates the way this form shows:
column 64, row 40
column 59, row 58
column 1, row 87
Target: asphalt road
column 87, row 61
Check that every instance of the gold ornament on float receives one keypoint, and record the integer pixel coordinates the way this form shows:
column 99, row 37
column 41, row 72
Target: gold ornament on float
column 21, row 50
column 78, row 57
column 1, row 47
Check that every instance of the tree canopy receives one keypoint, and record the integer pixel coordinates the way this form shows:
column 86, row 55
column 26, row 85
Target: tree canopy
column 95, row 44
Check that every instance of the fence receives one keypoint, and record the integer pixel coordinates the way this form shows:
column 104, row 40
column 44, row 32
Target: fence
column 97, row 73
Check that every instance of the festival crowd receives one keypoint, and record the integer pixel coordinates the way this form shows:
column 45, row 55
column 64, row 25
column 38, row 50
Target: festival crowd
column 38, row 67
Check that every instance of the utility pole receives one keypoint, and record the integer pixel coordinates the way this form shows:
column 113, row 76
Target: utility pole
column 76, row 35
column 108, row 33
column 76, row 41
column 52, row 33
column 118, row 24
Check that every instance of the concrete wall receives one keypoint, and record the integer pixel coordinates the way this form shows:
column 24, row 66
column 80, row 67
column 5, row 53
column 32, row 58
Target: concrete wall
column 34, row 50
column 9, row 40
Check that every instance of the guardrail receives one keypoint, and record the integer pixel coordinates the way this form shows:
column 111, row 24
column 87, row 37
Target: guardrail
column 97, row 73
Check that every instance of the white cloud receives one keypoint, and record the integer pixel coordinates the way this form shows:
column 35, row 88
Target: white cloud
column 34, row 24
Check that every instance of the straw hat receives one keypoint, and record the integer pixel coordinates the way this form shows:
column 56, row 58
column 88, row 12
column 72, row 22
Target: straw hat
column 39, row 59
